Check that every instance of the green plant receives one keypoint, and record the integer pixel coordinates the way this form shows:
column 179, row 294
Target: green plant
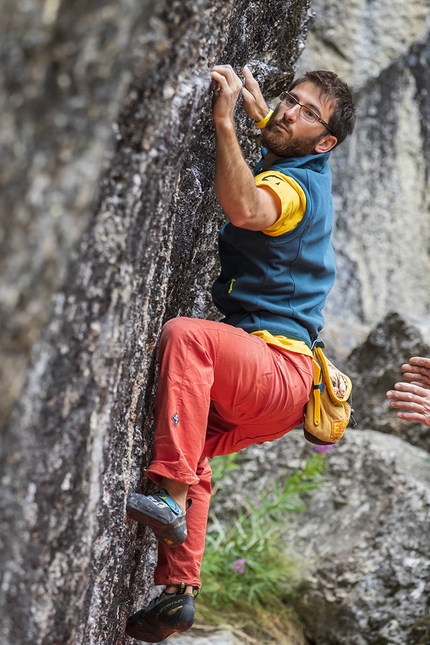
column 245, row 566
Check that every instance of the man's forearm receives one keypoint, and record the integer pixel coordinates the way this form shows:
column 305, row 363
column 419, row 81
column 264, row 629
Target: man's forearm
column 244, row 204
column 234, row 182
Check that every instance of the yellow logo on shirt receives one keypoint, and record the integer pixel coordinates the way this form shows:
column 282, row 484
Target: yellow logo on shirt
column 230, row 289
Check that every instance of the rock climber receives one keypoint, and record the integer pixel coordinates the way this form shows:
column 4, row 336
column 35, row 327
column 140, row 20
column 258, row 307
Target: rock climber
column 245, row 380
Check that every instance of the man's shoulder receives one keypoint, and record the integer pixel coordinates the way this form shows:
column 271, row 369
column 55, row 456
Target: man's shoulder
column 301, row 169
column 315, row 162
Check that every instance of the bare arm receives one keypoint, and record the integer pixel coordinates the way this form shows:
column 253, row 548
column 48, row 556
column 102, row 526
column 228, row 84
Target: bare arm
column 244, row 204
column 413, row 398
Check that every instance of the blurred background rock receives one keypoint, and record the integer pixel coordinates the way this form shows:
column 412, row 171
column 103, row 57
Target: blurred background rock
column 65, row 69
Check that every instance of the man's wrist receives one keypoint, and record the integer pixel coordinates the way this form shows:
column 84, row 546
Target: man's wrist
column 263, row 122
column 225, row 126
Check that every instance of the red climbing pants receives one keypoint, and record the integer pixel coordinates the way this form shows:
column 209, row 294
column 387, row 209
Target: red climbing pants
column 220, row 389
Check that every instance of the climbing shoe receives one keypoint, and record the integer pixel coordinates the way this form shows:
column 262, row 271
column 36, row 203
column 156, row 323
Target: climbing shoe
column 162, row 514
column 163, row 616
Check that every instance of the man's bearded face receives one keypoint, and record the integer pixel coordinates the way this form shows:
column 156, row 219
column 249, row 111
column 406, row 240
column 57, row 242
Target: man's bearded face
column 279, row 139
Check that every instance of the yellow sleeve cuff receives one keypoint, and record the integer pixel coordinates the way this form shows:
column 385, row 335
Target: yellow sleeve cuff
column 262, row 124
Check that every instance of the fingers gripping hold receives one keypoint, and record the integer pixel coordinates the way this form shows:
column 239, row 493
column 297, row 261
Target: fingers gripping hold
column 253, row 101
column 227, row 90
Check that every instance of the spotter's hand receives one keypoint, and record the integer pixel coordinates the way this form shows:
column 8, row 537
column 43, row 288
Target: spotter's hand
column 413, row 399
column 418, row 371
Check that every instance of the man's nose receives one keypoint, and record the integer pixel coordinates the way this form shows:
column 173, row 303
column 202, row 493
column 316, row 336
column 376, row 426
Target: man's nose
column 290, row 113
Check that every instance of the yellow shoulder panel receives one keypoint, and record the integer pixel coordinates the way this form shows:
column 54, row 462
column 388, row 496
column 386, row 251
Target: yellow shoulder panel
column 291, row 196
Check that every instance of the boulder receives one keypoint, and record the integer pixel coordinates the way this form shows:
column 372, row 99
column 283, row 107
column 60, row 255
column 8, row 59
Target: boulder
column 364, row 538
column 375, row 365
column 364, row 50
column 206, row 636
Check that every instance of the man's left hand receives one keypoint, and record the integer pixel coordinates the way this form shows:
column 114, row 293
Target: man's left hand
column 227, row 89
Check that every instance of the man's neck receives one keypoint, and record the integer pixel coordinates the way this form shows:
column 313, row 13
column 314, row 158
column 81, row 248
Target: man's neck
column 270, row 159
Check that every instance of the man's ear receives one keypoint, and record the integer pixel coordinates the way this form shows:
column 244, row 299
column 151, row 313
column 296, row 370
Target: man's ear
column 327, row 143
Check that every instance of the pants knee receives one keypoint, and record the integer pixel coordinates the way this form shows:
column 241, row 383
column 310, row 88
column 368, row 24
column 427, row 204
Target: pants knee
column 176, row 330
column 175, row 327
column 194, row 337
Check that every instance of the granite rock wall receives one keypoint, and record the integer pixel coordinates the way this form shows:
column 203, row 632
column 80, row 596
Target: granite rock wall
column 73, row 567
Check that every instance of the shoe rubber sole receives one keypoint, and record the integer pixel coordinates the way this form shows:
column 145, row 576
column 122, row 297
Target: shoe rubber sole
column 170, row 529
column 163, row 617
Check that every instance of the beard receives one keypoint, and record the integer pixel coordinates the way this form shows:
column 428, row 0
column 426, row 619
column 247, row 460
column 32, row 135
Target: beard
column 298, row 147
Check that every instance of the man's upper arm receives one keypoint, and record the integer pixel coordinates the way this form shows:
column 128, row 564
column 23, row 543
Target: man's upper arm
column 290, row 197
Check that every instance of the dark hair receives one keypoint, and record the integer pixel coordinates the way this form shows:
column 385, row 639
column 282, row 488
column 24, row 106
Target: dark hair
column 342, row 120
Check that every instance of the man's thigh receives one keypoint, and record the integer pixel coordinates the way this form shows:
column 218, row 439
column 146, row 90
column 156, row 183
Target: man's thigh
column 258, row 392
column 253, row 379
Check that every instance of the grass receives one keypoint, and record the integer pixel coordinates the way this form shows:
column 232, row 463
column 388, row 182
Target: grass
column 246, row 574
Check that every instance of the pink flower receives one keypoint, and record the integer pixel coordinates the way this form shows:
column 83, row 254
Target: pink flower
column 239, row 565
column 324, row 448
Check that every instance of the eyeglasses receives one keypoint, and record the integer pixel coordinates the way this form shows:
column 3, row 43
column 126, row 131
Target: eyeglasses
column 306, row 113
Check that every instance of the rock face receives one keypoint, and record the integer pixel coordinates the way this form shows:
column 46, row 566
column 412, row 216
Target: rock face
column 364, row 538
column 72, row 566
column 64, row 72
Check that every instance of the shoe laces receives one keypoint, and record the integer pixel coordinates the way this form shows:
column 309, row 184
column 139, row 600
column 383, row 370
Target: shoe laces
column 181, row 591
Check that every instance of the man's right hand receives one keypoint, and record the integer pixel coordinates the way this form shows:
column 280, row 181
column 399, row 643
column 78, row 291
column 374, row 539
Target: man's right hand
column 245, row 204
